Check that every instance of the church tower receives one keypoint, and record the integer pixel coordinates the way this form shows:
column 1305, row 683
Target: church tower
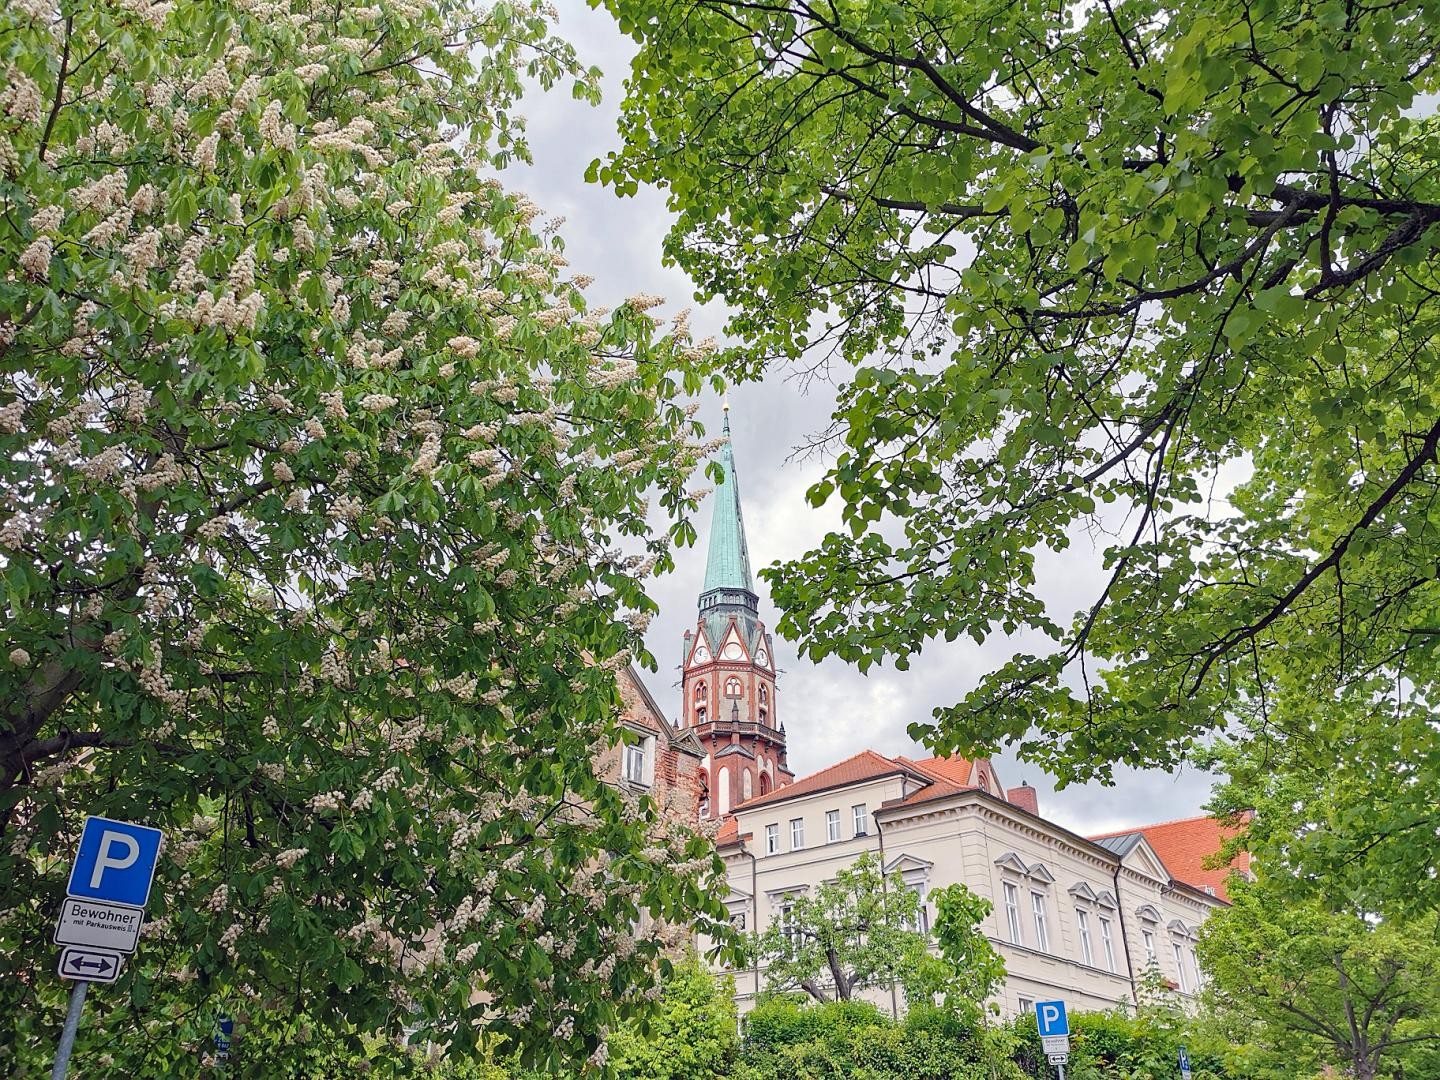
column 729, row 697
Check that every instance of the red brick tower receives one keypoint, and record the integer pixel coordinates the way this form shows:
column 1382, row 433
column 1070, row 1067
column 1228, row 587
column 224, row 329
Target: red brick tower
column 729, row 694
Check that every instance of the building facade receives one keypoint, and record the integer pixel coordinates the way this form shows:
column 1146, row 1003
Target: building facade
column 1074, row 918
column 1083, row 918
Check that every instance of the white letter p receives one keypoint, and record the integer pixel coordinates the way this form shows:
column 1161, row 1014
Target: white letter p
column 104, row 861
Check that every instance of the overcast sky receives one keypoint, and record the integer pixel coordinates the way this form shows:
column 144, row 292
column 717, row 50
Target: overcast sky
column 830, row 710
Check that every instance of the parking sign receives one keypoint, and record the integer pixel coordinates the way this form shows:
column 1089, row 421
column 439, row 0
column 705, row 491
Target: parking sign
column 1050, row 1015
column 115, row 862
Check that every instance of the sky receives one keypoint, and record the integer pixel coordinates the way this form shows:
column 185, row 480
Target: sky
column 830, row 710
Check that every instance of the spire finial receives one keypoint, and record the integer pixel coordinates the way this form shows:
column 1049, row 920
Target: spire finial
column 725, row 407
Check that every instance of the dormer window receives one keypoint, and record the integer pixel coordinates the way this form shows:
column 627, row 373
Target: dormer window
column 732, row 687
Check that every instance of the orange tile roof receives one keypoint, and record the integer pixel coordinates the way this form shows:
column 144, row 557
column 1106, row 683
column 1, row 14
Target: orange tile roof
column 729, row 832
column 955, row 769
column 866, row 765
column 1184, row 846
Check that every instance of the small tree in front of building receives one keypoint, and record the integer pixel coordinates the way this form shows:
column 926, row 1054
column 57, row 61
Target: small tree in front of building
column 859, row 930
column 968, row 971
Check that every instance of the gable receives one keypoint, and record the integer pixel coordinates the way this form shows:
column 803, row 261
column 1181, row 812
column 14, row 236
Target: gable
column 1142, row 859
column 700, row 652
column 733, row 648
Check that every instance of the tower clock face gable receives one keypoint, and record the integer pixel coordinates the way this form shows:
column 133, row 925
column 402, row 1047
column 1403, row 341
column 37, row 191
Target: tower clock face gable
column 734, row 647
column 700, row 654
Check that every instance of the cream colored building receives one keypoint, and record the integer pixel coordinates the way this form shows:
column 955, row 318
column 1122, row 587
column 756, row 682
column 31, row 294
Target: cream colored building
column 1074, row 918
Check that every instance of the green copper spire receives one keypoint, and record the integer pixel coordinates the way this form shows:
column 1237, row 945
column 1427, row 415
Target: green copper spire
column 728, row 566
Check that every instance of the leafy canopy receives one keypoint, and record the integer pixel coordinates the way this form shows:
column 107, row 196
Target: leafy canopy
column 1301, row 983
column 305, row 428
column 1160, row 275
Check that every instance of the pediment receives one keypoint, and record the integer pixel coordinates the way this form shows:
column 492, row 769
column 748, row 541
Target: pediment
column 903, row 863
column 1148, row 913
column 1039, row 872
column 1142, row 859
column 1011, row 861
column 1082, row 891
column 1106, row 899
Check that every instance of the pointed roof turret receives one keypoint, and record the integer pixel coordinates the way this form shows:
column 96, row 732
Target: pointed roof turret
column 728, row 565
column 729, row 589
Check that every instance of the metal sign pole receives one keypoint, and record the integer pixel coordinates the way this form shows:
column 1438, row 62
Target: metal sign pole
column 67, row 1036
column 1062, row 1071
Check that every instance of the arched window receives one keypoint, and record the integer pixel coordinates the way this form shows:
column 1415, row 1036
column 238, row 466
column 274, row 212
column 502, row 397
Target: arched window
column 764, row 783
column 763, row 716
column 700, row 714
column 764, row 695
column 732, row 687
column 747, row 785
column 699, row 692
column 704, row 807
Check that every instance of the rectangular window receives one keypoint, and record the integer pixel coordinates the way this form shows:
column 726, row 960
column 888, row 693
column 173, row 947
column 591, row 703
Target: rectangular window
column 787, row 924
column 1180, row 968
column 1082, row 923
column 1107, row 943
column 1012, row 913
column 921, row 923
column 1027, row 1005
column 634, row 768
column 862, row 819
column 832, row 826
column 737, row 920
column 797, row 833
column 1149, row 946
column 1042, row 935
column 772, row 839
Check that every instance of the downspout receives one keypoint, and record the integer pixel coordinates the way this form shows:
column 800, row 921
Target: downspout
column 1125, row 938
column 885, row 891
column 755, row 922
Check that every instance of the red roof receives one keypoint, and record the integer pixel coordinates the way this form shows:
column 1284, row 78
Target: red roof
column 939, row 777
column 955, row 769
column 1185, row 845
column 729, row 832
column 866, row 765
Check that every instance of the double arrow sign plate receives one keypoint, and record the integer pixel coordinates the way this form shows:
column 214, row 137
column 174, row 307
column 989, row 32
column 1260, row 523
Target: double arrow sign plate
column 92, row 965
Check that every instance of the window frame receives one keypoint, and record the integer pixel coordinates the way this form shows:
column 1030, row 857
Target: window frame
column 636, row 754
column 1082, row 928
column 797, row 834
column 832, row 826
column 1107, row 942
column 1010, row 896
column 1180, row 966
column 860, row 819
column 1038, row 915
column 1147, row 938
column 772, row 839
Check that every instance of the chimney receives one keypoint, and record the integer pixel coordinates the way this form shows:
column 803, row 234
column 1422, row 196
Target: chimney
column 1025, row 798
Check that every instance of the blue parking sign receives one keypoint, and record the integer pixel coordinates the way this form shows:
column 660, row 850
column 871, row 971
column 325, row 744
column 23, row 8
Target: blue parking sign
column 1050, row 1015
column 115, row 862
column 1184, row 1064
